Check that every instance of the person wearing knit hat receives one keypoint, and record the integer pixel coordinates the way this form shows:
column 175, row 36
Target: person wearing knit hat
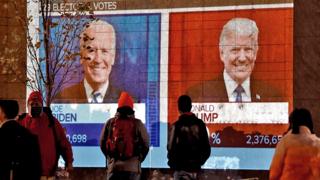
column 134, row 137
column 51, row 136
column 35, row 96
column 125, row 104
column 125, row 100
column 35, row 103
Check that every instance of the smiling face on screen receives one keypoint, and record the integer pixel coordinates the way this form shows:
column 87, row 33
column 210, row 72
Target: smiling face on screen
column 97, row 49
column 238, row 49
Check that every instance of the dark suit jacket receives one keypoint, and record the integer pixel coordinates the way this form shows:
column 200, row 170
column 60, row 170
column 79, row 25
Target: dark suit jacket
column 19, row 152
column 215, row 91
column 77, row 94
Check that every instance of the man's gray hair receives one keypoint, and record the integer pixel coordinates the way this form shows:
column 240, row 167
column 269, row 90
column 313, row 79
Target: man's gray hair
column 97, row 24
column 239, row 26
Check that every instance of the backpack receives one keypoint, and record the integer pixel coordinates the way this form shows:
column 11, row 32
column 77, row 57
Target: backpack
column 121, row 139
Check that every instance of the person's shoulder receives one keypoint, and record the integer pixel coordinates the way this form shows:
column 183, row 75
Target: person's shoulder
column 212, row 90
column 316, row 139
column 56, row 121
column 197, row 120
column 200, row 121
column 187, row 116
column 23, row 119
column 112, row 95
column 203, row 86
column 265, row 92
column 138, row 122
column 287, row 139
column 72, row 93
column 72, row 88
column 183, row 120
column 110, row 120
column 113, row 89
column 12, row 124
column 19, row 129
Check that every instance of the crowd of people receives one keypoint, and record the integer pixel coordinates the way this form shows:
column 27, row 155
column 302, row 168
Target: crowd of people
column 32, row 143
column 124, row 142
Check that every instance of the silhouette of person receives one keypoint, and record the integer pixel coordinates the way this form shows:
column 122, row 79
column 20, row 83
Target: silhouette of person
column 297, row 155
column 126, row 127
column 19, row 151
column 188, row 144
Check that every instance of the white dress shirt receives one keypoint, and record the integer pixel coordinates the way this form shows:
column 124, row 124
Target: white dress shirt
column 231, row 85
column 90, row 91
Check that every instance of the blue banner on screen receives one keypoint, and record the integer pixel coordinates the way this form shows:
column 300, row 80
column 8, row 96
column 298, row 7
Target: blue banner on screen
column 83, row 122
column 83, row 134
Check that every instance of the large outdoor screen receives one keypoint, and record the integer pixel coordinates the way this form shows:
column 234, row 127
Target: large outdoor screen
column 160, row 54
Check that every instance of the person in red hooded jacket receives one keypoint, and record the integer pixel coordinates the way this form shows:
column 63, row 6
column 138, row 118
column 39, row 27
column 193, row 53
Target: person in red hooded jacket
column 126, row 165
column 51, row 137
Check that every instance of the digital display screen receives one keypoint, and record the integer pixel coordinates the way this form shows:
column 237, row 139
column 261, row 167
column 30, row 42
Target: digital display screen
column 202, row 68
column 205, row 66
column 161, row 54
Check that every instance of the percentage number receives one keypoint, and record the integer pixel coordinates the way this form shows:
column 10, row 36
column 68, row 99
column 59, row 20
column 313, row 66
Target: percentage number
column 216, row 138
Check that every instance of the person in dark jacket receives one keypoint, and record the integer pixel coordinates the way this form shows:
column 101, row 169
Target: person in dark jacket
column 19, row 151
column 188, row 144
column 129, row 167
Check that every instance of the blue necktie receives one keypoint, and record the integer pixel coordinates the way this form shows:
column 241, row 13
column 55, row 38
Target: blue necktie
column 239, row 90
column 95, row 96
